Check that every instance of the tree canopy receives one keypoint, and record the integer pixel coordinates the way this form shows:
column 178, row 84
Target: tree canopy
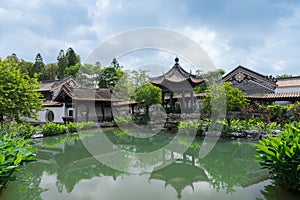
column 148, row 95
column 210, row 78
column 109, row 77
column 235, row 98
column 17, row 96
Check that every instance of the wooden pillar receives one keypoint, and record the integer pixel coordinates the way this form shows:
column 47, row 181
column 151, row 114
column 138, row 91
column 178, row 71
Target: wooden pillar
column 111, row 111
column 132, row 109
column 102, row 110
column 183, row 102
column 192, row 101
column 76, row 112
column 163, row 99
column 171, row 102
column 87, row 108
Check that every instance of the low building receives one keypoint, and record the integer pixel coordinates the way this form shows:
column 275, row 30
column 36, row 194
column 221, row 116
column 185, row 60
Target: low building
column 67, row 100
column 264, row 89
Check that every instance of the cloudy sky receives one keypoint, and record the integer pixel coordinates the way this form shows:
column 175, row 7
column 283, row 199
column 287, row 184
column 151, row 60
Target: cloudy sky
column 263, row 35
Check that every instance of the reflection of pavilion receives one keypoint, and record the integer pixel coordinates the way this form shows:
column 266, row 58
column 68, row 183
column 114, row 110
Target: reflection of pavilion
column 72, row 162
column 226, row 167
column 179, row 175
column 176, row 82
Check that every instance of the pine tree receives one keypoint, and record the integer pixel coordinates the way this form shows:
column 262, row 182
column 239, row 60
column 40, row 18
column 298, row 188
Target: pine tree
column 62, row 64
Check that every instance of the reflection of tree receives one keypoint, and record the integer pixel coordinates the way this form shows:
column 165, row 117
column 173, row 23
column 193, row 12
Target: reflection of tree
column 138, row 145
column 69, row 177
column 74, row 163
column 272, row 192
column 28, row 184
column 232, row 165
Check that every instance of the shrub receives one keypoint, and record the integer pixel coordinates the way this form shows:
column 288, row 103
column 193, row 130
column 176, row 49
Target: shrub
column 71, row 127
column 189, row 125
column 281, row 156
column 193, row 125
column 15, row 151
column 20, row 129
column 84, row 125
column 50, row 129
column 124, row 120
column 141, row 119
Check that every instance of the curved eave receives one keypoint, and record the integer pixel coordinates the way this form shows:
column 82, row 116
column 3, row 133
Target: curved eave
column 96, row 99
column 167, row 81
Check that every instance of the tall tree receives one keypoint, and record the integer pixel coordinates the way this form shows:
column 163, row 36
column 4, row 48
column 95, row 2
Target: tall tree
column 214, row 100
column 62, row 64
column 210, row 78
column 13, row 57
column 110, row 75
column 89, row 75
column 73, row 70
column 51, row 71
column 284, row 76
column 25, row 66
column 125, row 87
column 147, row 95
column 139, row 77
column 38, row 68
column 116, row 64
column 17, row 96
column 72, row 57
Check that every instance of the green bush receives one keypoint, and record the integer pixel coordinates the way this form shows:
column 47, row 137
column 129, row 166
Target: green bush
column 189, row 125
column 193, row 125
column 124, row 120
column 71, row 127
column 141, row 119
column 281, row 156
column 21, row 129
column 84, row 125
column 15, row 151
column 50, row 129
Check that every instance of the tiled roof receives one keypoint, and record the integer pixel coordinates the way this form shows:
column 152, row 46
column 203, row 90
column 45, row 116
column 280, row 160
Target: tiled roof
column 288, row 82
column 176, row 75
column 84, row 94
column 52, row 104
column 124, row 103
column 51, row 85
column 283, row 96
column 268, row 82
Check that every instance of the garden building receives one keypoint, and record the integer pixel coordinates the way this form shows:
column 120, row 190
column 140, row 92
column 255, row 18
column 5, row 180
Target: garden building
column 67, row 100
column 264, row 89
column 177, row 84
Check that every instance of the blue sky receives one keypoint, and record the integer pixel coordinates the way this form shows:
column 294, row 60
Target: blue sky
column 263, row 35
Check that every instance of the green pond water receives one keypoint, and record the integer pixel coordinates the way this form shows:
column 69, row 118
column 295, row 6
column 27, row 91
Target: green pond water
column 112, row 164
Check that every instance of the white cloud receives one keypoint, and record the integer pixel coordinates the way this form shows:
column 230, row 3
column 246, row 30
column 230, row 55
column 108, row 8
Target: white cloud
column 29, row 27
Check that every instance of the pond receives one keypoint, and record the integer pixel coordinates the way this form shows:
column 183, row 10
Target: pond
column 112, row 164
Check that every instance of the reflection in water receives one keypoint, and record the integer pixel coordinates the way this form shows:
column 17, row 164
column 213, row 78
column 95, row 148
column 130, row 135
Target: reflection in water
column 65, row 169
column 179, row 175
column 272, row 192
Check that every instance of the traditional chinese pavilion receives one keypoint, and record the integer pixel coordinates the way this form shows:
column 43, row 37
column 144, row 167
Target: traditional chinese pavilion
column 177, row 84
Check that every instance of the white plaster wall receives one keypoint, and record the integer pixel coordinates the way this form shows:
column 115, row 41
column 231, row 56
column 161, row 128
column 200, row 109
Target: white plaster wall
column 289, row 89
column 59, row 112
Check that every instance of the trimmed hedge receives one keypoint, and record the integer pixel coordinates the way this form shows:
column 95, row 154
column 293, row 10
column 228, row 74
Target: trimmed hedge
column 50, row 129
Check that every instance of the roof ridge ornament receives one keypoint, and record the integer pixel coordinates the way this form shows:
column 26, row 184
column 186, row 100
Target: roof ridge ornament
column 176, row 61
